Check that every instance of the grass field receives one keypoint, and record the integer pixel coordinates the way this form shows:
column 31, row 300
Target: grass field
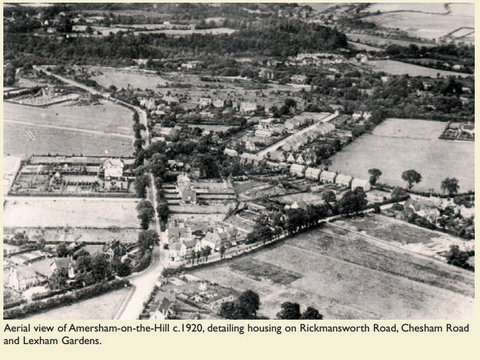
column 67, row 130
column 348, row 277
column 405, row 235
column 98, row 308
column 121, row 79
column 430, row 21
column 433, row 158
column 73, row 212
column 400, row 68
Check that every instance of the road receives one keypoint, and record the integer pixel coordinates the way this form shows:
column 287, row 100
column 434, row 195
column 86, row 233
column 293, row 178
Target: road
column 282, row 142
column 143, row 282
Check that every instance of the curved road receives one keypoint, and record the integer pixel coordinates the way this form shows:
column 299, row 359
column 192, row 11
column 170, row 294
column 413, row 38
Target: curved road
column 143, row 282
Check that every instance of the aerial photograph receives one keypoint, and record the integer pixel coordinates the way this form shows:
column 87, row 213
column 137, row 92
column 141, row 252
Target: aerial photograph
column 238, row 161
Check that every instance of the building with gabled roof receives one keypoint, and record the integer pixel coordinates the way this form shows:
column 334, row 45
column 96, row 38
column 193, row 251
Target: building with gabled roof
column 343, row 180
column 328, row 177
column 361, row 183
column 298, row 170
column 313, row 174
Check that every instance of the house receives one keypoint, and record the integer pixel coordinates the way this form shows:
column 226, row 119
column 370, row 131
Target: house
column 265, row 124
column 422, row 208
column 204, row 102
column 328, row 177
column 62, row 264
column 291, row 158
column 299, row 79
column 264, row 133
column 277, row 156
column 250, row 146
column 218, row 103
column 217, row 238
column 298, row 170
column 22, row 279
column 184, row 188
column 249, row 158
column 230, row 152
column 247, row 107
column 178, row 234
column 300, row 160
column 266, row 74
column 113, row 168
column 361, row 183
column 357, row 115
column 313, row 174
column 164, row 309
column 343, row 180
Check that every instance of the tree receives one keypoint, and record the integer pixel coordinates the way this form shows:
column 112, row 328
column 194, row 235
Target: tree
column 411, row 177
column 146, row 212
column 329, row 196
column 101, row 267
column 311, row 314
column 62, row 250
column 458, row 257
column 58, row 280
column 146, row 240
column 141, row 183
column 352, row 201
column 244, row 307
column 374, row 175
column 163, row 211
column 290, row 311
column 450, row 185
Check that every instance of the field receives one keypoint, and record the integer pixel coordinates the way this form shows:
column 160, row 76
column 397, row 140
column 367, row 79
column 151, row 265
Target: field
column 107, row 118
column 98, row 308
column 433, row 158
column 430, row 21
column 122, row 79
column 347, row 276
column 83, row 235
column 383, row 42
column 405, row 235
column 65, row 212
column 393, row 67
column 59, row 129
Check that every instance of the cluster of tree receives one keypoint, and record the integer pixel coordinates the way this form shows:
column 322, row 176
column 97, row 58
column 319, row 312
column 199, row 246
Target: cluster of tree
column 271, row 38
column 291, row 311
column 459, row 257
column 452, row 53
column 146, row 213
column 9, row 73
column 244, row 307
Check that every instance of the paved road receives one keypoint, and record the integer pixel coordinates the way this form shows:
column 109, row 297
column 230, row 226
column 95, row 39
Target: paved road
column 283, row 141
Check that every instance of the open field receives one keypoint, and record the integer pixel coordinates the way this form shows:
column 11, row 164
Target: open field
column 383, row 41
column 98, row 308
column 410, row 128
column 106, row 117
column 20, row 139
column 430, row 21
column 434, row 159
column 83, row 235
column 393, row 67
column 65, row 212
column 348, row 277
column 408, row 236
column 122, row 79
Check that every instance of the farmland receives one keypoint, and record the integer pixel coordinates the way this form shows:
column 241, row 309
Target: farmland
column 75, row 212
column 347, row 276
column 122, row 79
column 393, row 67
column 401, row 152
column 98, row 308
column 430, row 21
column 59, row 129
column 105, row 117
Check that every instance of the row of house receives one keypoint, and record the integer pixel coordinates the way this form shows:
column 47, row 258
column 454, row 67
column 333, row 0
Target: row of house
column 328, row 177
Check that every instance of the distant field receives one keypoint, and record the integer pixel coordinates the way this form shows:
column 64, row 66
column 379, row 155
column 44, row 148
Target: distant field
column 348, row 277
column 383, row 42
column 97, row 308
column 73, row 212
column 429, row 21
column 22, row 139
column 433, row 158
column 121, row 79
column 106, row 117
column 393, row 67
column 66, row 130
column 83, row 235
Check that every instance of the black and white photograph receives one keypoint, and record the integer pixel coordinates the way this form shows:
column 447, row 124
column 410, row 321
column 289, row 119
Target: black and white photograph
column 302, row 161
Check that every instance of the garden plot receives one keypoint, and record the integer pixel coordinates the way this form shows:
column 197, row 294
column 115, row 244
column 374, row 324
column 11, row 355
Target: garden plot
column 348, row 277
column 70, row 212
column 394, row 67
column 125, row 78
